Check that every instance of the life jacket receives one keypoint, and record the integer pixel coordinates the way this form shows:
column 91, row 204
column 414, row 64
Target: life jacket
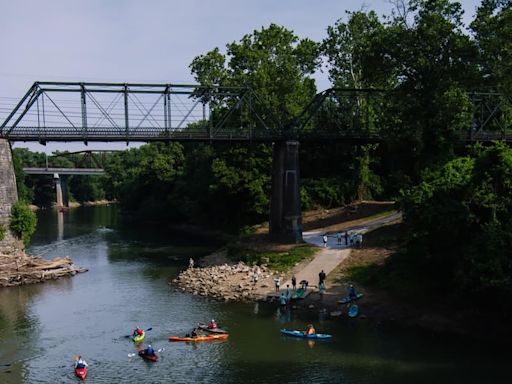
column 212, row 325
column 139, row 331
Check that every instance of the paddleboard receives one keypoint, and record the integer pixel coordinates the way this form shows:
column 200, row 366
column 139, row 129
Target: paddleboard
column 353, row 311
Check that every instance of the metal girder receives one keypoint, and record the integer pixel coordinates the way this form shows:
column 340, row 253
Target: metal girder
column 180, row 112
column 145, row 112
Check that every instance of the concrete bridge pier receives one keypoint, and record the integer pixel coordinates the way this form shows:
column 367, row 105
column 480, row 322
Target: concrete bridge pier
column 285, row 222
column 61, row 190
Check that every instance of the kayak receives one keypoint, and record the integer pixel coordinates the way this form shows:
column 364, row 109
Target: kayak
column 223, row 336
column 139, row 338
column 81, row 372
column 346, row 299
column 148, row 357
column 299, row 294
column 204, row 327
column 353, row 311
column 321, row 336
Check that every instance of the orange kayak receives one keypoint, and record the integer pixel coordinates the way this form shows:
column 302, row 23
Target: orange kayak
column 199, row 338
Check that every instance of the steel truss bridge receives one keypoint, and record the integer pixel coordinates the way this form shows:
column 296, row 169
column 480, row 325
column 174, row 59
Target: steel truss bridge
column 86, row 112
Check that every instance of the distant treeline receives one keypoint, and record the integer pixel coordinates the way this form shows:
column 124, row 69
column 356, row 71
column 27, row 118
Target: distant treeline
column 457, row 201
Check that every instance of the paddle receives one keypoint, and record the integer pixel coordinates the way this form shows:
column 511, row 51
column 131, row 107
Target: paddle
column 149, row 329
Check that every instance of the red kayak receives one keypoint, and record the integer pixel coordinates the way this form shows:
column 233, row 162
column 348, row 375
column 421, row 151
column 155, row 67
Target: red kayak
column 148, row 357
column 81, row 372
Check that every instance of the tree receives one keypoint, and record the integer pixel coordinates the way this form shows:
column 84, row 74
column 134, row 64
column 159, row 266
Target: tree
column 273, row 62
column 459, row 220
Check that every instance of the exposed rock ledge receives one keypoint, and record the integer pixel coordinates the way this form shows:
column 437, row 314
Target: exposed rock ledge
column 228, row 282
column 22, row 269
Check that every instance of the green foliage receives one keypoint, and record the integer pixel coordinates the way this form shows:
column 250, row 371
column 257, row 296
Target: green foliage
column 2, row 232
column 459, row 221
column 274, row 62
column 279, row 261
column 23, row 221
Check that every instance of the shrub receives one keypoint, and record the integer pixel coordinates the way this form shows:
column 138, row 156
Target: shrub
column 23, row 221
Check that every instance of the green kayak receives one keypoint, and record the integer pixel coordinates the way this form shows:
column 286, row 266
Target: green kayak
column 298, row 294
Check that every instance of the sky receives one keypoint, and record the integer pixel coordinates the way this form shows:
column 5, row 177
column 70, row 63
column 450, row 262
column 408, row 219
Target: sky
column 143, row 40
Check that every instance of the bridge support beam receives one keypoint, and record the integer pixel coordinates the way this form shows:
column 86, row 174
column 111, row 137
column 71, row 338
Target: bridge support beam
column 285, row 222
column 61, row 190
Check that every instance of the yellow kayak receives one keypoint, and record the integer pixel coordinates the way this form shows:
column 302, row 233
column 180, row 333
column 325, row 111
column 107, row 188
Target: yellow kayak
column 139, row 338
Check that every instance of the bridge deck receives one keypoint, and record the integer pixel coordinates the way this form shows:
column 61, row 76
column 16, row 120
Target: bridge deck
column 64, row 171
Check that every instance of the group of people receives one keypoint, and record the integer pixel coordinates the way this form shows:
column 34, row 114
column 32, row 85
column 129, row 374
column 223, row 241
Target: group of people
column 352, row 239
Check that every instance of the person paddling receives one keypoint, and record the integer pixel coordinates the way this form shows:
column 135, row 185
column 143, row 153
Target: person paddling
column 212, row 324
column 310, row 330
column 149, row 351
column 138, row 332
column 80, row 363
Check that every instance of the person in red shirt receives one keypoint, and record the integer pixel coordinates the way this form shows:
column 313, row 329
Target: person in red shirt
column 212, row 324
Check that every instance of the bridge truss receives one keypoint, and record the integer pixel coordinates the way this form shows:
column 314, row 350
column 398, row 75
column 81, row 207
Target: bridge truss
column 66, row 111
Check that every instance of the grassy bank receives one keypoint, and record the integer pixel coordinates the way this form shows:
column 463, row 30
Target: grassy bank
column 277, row 260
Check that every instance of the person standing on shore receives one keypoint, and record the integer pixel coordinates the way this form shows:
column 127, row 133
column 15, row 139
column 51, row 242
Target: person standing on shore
column 338, row 236
column 346, row 237
column 277, row 283
column 321, row 277
column 325, row 239
column 294, row 282
column 191, row 263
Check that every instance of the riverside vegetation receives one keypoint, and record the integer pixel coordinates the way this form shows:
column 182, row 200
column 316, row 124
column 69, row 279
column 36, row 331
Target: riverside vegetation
column 456, row 200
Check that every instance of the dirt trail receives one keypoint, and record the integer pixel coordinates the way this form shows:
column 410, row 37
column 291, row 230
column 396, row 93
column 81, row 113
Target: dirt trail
column 333, row 252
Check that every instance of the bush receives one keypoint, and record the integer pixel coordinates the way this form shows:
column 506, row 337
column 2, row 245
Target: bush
column 23, row 221
column 2, row 232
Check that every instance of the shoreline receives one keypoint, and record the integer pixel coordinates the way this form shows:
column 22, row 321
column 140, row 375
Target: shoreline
column 378, row 305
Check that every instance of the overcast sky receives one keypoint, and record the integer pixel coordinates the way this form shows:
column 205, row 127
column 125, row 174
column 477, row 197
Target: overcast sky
column 143, row 40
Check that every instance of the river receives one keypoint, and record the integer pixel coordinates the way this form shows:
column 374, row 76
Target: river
column 42, row 327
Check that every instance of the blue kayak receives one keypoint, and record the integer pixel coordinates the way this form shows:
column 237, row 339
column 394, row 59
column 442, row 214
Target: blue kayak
column 301, row 334
column 353, row 311
column 346, row 299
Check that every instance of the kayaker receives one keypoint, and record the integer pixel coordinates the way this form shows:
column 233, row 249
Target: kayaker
column 212, row 324
column 310, row 330
column 138, row 332
column 80, row 363
column 149, row 351
column 352, row 295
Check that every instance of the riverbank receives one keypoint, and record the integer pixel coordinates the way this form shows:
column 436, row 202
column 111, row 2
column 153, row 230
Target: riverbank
column 248, row 268
column 390, row 302
column 21, row 269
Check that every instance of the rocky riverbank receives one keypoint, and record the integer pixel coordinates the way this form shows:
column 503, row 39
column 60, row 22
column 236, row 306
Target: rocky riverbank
column 22, row 269
column 237, row 282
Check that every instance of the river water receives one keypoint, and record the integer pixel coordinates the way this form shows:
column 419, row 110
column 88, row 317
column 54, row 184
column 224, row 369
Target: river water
column 42, row 327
